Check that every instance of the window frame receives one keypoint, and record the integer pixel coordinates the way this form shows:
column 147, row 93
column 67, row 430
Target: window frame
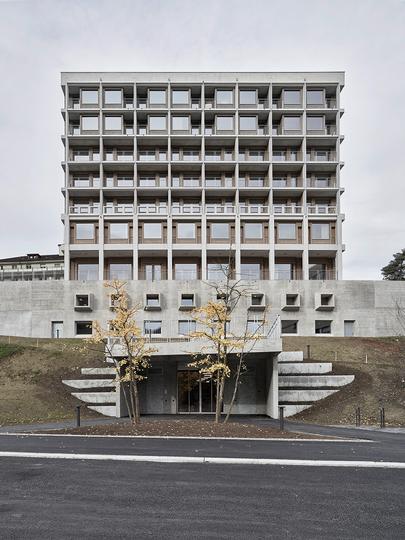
column 106, row 104
column 255, row 91
column 108, row 117
column 186, row 104
column 90, row 104
column 115, row 223
column 218, row 104
column 146, row 223
column 249, row 130
column 87, row 116
column 153, row 130
column 279, row 237
column 158, row 104
column 85, row 237
column 221, row 116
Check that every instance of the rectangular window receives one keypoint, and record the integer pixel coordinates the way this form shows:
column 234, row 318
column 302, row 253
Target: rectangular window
column 89, row 97
column 185, row 271
column 217, row 271
column 113, row 97
column 89, row 123
column 292, row 97
column 187, row 300
column 224, row 97
column 323, row 327
column 85, row 231
column 83, row 328
column 119, row 231
column 121, row 271
column 286, row 231
column 248, row 123
column 292, row 123
column 152, row 327
column 113, row 123
column 152, row 300
column 254, row 326
column 349, row 328
column 181, row 123
column 284, row 271
column 180, row 97
column 224, row 123
column 152, row 231
column 157, row 123
column 247, row 97
column 317, row 271
column 289, row 327
column 253, row 231
column 157, row 97
column 87, row 271
column 186, row 327
column 186, row 231
column 320, row 231
column 251, row 271
column 219, row 231
column 315, row 123
column 315, row 97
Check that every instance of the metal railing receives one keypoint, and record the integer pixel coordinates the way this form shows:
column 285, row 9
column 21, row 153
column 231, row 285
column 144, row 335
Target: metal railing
column 253, row 182
column 186, row 209
column 152, row 209
column 287, row 209
column 321, row 156
column 321, row 184
column 152, row 182
column 179, row 182
column 253, row 209
column 293, row 274
column 322, row 274
column 84, row 209
column 219, row 209
column 31, row 275
column 119, row 209
column 321, row 209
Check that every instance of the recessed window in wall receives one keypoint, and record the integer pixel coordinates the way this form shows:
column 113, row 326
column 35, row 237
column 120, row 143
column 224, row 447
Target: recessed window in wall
column 292, row 97
column 315, row 97
column 253, row 231
column 180, row 97
column 247, row 97
column 185, row 271
column 84, row 328
column 118, row 231
column 157, row 97
column 283, row 270
column 113, row 123
column 217, row 271
column 315, row 123
column 87, row 271
column 89, row 97
column 120, row 271
column 89, row 123
column 113, row 97
column 219, row 231
column 320, row 231
column 248, row 123
column 186, row 327
column 152, row 327
column 349, row 328
column 323, row 327
column 186, row 231
column 181, row 123
column 292, row 123
column 250, row 271
column 224, row 123
column 224, row 97
column 85, row 231
column 286, row 231
column 157, row 123
column 152, row 231
column 289, row 327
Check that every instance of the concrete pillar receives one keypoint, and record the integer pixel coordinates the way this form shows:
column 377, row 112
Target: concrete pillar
column 272, row 386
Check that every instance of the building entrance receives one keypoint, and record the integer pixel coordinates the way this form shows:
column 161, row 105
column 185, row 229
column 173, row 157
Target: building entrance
column 195, row 392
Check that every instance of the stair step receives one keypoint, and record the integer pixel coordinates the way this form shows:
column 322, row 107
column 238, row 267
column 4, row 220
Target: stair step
column 297, row 368
column 291, row 356
column 313, row 381
column 304, row 396
column 106, row 410
column 96, row 397
column 90, row 383
column 98, row 371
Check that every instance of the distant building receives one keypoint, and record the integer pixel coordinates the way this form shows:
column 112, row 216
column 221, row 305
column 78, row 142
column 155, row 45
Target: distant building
column 31, row 267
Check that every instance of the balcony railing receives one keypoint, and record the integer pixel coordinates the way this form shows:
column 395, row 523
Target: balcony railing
column 321, row 209
column 186, row 156
column 253, row 209
column 322, row 274
column 31, row 275
column 317, row 155
column 329, row 103
column 258, row 156
column 286, row 183
column 212, row 130
column 327, row 130
column 253, row 182
column 84, row 209
column 219, row 183
column 186, row 209
column 287, row 209
column 121, row 155
column 321, row 184
column 84, row 157
column 152, row 156
column 152, row 209
column 152, row 182
column 288, row 274
column 219, row 209
column 287, row 156
column 85, row 183
column 112, row 182
column 119, row 209
column 262, row 103
column 220, row 156
column 179, row 182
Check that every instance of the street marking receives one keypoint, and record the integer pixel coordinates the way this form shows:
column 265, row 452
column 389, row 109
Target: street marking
column 212, row 460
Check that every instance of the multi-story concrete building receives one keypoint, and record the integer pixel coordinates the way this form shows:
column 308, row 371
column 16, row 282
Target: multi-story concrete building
column 32, row 267
column 167, row 172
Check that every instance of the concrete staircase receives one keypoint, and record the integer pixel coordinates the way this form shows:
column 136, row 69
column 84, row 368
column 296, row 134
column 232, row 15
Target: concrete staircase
column 301, row 383
column 98, row 390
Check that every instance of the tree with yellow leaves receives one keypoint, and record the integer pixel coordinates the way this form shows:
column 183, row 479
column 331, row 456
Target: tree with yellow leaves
column 125, row 346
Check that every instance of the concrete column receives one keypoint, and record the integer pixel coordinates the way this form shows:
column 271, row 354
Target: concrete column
column 272, row 395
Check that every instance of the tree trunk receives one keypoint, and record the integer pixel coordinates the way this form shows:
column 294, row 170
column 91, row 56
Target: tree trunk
column 221, row 398
column 137, row 411
column 235, row 390
column 131, row 395
column 217, row 404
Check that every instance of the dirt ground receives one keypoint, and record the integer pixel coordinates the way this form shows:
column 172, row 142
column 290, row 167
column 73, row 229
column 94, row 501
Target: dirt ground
column 378, row 378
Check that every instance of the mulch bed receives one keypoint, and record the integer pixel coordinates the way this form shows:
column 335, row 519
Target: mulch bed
column 185, row 428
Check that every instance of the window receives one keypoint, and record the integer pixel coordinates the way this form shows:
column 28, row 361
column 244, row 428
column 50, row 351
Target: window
column 286, row 231
column 317, row 271
column 224, row 123
column 321, row 182
column 89, row 97
column 113, row 123
column 84, row 328
column 323, row 327
column 254, row 326
column 224, row 97
column 185, row 271
column 253, row 231
column 186, row 327
column 89, row 123
column 157, row 97
column 152, row 327
column 152, row 231
column 157, row 123
column 292, row 299
column 113, row 97
column 120, row 271
column 186, row 231
column 289, row 327
column 180, row 97
column 57, row 329
column 257, row 300
column 82, row 300
column 251, row 271
column 187, row 300
column 152, row 301
column 153, row 272
column 284, row 271
column 292, row 123
column 247, row 97
column 315, row 123
column 320, row 231
column 85, row 231
column 181, row 123
column 219, row 231
column 218, row 271
column 349, row 328
column 248, row 123
column 119, row 231
column 292, row 97
column 87, row 271
column 315, row 97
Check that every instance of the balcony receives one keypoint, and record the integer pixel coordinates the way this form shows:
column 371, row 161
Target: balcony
column 219, row 155
column 253, row 155
column 85, row 182
column 152, row 182
column 287, row 155
column 287, row 209
column 253, row 182
column 321, row 155
column 152, row 155
column 119, row 209
column 152, row 209
column 219, row 209
column 321, row 183
column 84, row 209
column 83, row 156
column 186, row 182
column 286, row 182
column 119, row 155
column 253, row 209
column 327, row 130
column 186, row 209
column 322, row 274
column 186, row 155
column 118, row 182
column 321, row 209
column 226, row 182
column 42, row 274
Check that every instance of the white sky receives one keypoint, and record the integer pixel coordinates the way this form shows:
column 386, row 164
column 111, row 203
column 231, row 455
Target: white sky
column 366, row 39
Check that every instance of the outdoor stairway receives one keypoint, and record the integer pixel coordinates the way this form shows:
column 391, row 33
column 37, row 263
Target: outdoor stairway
column 301, row 383
column 98, row 390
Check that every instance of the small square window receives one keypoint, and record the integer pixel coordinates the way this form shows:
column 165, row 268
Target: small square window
column 157, row 123
column 247, row 97
column 83, row 328
column 152, row 301
column 224, row 123
column 320, row 231
column 85, row 231
column 180, row 97
column 119, row 231
column 289, row 327
column 157, row 97
column 187, row 301
column 286, row 231
column 292, row 123
column 181, row 123
column 113, row 97
column 224, row 97
column 187, row 327
column 323, row 327
column 248, row 123
column 89, row 97
column 152, row 231
column 113, row 123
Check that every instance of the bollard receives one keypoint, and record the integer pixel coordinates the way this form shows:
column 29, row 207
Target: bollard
column 358, row 417
column 281, row 418
column 382, row 417
column 309, row 352
column 78, row 415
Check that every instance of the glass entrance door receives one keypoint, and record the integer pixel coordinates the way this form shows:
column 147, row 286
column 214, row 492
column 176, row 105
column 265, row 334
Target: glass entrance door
column 195, row 393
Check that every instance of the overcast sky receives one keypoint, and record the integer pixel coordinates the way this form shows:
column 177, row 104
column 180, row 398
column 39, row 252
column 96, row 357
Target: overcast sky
column 366, row 39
